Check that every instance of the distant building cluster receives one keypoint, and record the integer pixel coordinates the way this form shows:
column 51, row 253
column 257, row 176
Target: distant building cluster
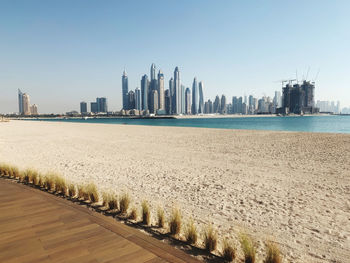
column 24, row 106
column 329, row 106
column 153, row 98
column 98, row 106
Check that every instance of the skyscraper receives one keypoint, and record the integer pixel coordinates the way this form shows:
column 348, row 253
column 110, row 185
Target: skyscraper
column 144, row 92
column 167, row 101
column 26, row 104
column 188, row 101
column 201, row 98
column 34, row 109
column 20, row 102
column 223, row 104
column 216, row 106
column 195, row 97
column 154, row 101
column 137, row 99
column 131, row 99
column 102, row 104
column 177, row 86
column 153, row 71
column 172, row 95
column 161, row 90
column 125, row 90
column 93, row 107
column 83, row 107
column 182, row 99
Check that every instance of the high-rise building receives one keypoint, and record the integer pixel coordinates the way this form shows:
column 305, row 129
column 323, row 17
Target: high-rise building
column 195, row 97
column 172, row 96
column 240, row 105
column 144, row 92
column 161, row 90
column 20, row 102
column 154, row 102
column 201, row 98
column 131, row 100
column 223, row 109
column 188, row 101
column 167, row 101
column 210, row 104
column 234, row 105
column 177, row 87
column 101, row 104
column 125, row 90
column 216, row 105
column 183, row 100
column 153, row 71
column 137, row 99
column 26, row 104
column 93, row 107
column 83, row 107
column 34, row 109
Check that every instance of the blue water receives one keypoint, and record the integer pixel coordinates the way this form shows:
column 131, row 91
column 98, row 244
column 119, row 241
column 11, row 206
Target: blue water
column 331, row 124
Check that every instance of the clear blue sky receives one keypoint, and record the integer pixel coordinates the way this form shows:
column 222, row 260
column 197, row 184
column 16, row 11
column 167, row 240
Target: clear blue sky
column 63, row 52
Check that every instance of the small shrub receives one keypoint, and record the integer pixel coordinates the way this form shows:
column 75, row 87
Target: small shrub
column 146, row 214
column 133, row 214
column 228, row 251
column 2, row 169
column 105, row 198
column 92, row 192
column 72, row 192
column 113, row 202
column 36, row 178
column 161, row 217
column 248, row 249
column 191, row 232
column 210, row 238
column 27, row 176
column 124, row 203
column 175, row 222
column 273, row 253
column 82, row 193
column 5, row 170
column 51, row 181
column 15, row 172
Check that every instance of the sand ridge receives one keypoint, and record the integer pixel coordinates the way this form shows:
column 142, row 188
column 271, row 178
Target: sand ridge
column 294, row 187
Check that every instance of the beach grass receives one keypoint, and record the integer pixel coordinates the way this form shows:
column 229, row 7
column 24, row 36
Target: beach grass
column 72, row 192
column 133, row 214
column 146, row 213
column 191, row 234
column 124, row 203
column 210, row 238
column 248, row 248
column 273, row 254
column 82, row 193
column 161, row 217
column 92, row 193
column 175, row 222
column 228, row 250
column 60, row 184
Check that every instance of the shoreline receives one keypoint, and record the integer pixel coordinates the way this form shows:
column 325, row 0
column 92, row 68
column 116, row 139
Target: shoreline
column 260, row 181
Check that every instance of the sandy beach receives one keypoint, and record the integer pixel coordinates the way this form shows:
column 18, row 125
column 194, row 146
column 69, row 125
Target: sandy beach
column 291, row 187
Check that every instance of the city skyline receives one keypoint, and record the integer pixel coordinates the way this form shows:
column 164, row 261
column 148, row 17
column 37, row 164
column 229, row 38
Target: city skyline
column 235, row 48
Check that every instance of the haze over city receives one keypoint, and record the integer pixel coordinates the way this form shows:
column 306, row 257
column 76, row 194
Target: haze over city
column 66, row 52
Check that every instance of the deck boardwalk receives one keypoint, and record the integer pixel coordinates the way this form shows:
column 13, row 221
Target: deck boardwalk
column 38, row 227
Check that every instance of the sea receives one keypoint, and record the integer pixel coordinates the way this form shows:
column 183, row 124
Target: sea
column 323, row 124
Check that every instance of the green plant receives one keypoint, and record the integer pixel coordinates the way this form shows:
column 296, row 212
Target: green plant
column 210, row 238
column 191, row 232
column 146, row 214
column 273, row 253
column 175, row 222
column 248, row 248
column 228, row 251
column 161, row 217
column 124, row 203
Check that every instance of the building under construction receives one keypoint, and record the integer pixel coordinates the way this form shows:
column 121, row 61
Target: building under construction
column 299, row 98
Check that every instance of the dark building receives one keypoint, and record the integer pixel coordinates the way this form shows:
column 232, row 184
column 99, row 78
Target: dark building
column 125, row 90
column 299, row 99
column 83, row 107
column 131, row 100
column 167, row 102
column 93, row 107
column 101, row 104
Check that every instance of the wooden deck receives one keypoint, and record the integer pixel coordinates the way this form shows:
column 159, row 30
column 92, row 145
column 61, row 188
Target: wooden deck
column 39, row 227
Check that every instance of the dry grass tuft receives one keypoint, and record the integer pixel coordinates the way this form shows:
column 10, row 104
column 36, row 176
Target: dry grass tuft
column 105, row 198
column 72, row 192
column 161, row 217
column 191, row 232
column 36, row 179
column 273, row 253
column 146, row 213
column 28, row 176
column 248, row 248
column 60, row 184
column 175, row 222
column 15, row 173
column 210, row 238
column 228, row 251
column 82, row 193
column 124, row 203
column 5, row 170
column 133, row 214
column 92, row 192
column 51, row 181
column 113, row 202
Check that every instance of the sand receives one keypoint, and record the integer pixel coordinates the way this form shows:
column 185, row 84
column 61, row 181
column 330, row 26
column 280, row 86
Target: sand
column 291, row 187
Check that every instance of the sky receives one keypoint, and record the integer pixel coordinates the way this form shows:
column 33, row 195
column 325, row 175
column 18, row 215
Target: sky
column 62, row 52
